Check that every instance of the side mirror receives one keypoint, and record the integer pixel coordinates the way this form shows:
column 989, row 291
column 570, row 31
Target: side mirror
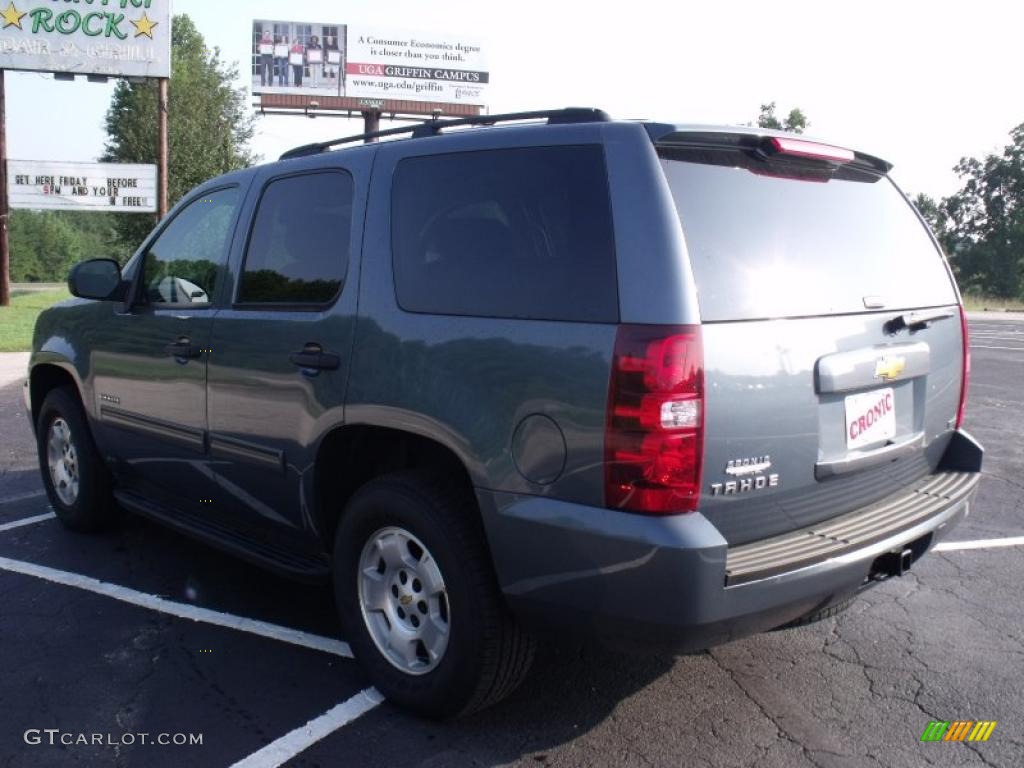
column 97, row 279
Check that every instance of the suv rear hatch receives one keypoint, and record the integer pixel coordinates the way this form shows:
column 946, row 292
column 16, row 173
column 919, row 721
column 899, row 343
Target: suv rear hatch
column 831, row 329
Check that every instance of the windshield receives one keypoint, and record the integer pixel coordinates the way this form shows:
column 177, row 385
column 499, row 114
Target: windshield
column 770, row 239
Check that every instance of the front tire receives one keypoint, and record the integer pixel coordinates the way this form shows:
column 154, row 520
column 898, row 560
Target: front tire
column 417, row 593
column 76, row 480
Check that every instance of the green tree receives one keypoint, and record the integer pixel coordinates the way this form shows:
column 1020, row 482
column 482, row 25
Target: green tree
column 794, row 122
column 43, row 246
column 46, row 244
column 209, row 122
column 985, row 221
column 932, row 212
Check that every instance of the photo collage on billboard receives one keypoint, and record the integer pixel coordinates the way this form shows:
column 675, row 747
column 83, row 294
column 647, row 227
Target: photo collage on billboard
column 298, row 58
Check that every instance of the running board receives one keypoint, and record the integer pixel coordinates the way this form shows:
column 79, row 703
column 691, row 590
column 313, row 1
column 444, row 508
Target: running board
column 285, row 562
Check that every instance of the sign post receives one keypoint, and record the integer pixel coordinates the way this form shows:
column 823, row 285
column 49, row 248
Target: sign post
column 371, row 122
column 164, row 160
column 5, row 250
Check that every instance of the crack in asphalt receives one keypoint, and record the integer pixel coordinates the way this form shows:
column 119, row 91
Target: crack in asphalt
column 230, row 704
column 780, row 731
column 910, row 647
column 1006, row 480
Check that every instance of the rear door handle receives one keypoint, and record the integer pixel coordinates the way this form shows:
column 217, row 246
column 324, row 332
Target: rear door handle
column 313, row 357
column 182, row 350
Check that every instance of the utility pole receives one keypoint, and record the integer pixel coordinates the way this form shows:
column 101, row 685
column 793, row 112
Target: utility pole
column 5, row 249
column 164, row 159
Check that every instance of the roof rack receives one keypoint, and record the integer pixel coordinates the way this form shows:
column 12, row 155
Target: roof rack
column 434, row 126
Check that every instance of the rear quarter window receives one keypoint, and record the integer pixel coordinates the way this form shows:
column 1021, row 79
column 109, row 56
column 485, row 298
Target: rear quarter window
column 514, row 233
column 298, row 251
column 771, row 239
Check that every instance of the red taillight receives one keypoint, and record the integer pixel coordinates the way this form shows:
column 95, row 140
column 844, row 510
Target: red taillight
column 962, row 407
column 654, row 440
column 811, row 149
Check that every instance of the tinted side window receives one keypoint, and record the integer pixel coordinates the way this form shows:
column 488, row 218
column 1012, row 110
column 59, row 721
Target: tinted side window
column 519, row 233
column 182, row 264
column 299, row 248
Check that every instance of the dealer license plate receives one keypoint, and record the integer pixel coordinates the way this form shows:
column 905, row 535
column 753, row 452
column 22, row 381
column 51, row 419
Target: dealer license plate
column 870, row 417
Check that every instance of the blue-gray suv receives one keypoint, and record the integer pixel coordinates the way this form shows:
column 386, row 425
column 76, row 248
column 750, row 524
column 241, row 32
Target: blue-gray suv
column 655, row 384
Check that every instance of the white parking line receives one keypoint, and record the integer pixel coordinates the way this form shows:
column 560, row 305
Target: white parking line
column 954, row 546
column 180, row 610
column 277, row 752
column 27, row 521
column 302, row 738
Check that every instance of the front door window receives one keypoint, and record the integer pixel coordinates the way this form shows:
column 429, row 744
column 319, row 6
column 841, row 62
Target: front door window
column 183, row 264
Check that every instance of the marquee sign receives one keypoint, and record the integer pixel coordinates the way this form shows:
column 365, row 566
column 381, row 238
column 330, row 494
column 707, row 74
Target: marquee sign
column 57, row 186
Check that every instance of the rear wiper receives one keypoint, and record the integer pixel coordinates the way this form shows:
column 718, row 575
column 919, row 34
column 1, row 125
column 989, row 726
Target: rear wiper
column 917, row 319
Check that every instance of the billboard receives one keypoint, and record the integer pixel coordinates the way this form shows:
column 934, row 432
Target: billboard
column 116, row 188
column 387, row 64
column 130, row 38
column 290, row 57
column 298, row 57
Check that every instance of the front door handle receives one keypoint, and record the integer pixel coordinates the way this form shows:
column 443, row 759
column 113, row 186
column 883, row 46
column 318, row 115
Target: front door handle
column 182, row 350
column 312, row 357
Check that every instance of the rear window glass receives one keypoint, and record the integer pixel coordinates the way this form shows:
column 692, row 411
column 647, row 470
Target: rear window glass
column 517, row 233
column 778, row 239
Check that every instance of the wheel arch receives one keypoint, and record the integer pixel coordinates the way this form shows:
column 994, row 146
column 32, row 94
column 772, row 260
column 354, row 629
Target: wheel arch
column 351, row 455
column 47, row 375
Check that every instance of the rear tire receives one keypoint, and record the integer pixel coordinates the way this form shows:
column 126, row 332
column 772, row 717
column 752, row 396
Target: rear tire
column 406, row 536
column 77, row 482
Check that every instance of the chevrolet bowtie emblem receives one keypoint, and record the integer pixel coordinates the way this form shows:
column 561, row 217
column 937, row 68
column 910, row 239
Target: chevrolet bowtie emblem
column 889, row 367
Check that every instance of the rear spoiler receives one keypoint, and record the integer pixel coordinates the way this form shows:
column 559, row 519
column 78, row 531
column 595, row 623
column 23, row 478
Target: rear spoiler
column 753, row 139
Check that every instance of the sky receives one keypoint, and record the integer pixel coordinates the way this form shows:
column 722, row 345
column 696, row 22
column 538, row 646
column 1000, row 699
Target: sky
column 920, row 84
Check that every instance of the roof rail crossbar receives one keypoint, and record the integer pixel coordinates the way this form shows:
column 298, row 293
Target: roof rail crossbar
column 434, row 127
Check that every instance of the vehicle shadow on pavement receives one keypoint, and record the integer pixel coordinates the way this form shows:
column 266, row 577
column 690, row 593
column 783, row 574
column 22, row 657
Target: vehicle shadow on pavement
column 572, row 687
column 570, row 691
column 18, row 483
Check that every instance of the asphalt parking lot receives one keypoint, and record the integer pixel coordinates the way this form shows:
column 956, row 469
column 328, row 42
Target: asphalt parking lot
column 143, row 631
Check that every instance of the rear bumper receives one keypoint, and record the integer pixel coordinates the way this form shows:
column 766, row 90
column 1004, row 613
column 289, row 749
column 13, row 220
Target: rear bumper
column 674, row 584
column 870, row 531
